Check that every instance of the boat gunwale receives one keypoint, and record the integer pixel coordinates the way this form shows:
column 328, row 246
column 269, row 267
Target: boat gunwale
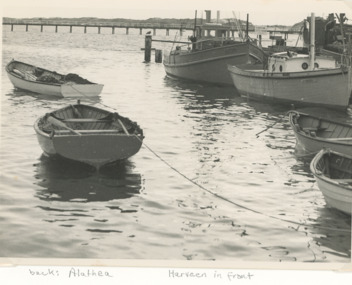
column 139, row 130
column 293, row 114
column 265, row 74
column 40, row 82
column 322, row 176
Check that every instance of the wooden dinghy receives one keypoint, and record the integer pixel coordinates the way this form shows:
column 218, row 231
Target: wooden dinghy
column 333, row 172
column 88, row 134
column 314, row 133
column 42, row 81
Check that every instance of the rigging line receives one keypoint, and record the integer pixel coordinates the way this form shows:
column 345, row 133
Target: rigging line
column 234, row 203
column 87, row 97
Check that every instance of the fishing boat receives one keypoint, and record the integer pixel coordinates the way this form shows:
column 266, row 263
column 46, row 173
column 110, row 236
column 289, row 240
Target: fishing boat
column 300, row 79
column 333, row 172
column 39, row 80
column 88, row 134
column 315, row 133
column 205, row 58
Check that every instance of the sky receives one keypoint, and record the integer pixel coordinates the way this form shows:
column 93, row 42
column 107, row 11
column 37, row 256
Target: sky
column 261, row 12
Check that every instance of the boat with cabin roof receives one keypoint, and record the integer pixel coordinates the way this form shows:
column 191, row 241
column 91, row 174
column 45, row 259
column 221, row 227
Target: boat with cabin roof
column 206, row 57
column 299, row 79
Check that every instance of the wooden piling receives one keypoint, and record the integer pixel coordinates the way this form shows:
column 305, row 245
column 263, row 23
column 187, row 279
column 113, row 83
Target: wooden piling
column 158, row 55
column 167, row 32
column 147, row 48
column 154, row 32
column 56, row 29
column 70, row 29
column 98, row 30
column 113, row 30
column 12, row 28
column 140, row 31
column 26, row 28
column 41, row 28
column 127, row 30
column 85, row 29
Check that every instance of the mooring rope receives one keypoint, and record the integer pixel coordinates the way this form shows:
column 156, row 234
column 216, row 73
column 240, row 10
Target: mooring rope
column 234, row 203
column 224, row 198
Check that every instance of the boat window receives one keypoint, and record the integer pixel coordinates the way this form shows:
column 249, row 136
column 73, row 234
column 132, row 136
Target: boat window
column 316, row 65
column 280, row 68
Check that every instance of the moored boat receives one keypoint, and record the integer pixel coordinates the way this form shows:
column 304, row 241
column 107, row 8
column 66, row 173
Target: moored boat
column 333, row 173
column 298, row 79
column 207, row 58
column 315, row 133
column 88, row 134
column 39, row 80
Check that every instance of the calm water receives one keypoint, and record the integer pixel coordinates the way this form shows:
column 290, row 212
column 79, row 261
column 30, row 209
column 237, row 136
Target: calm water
column 250, row 199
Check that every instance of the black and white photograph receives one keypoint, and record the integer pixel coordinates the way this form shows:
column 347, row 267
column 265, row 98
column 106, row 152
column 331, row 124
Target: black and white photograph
column 188, row 134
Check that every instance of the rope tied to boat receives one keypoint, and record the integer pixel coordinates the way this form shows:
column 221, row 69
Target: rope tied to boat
column 276, row 122
column 234, row 203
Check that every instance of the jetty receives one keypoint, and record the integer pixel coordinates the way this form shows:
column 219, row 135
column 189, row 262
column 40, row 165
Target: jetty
column 110, row 24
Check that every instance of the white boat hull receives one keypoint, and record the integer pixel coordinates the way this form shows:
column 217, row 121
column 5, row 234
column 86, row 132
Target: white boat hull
column 24, row 79
column 333, row 173
column 329, row 87
column 336, row 196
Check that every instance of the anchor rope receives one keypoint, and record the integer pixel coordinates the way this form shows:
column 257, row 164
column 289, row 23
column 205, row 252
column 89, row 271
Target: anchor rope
column 234, row 203
column 226, row 199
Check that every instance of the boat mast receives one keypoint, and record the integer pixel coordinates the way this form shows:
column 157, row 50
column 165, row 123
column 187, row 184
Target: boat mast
column 195, row 24
column 312, row 42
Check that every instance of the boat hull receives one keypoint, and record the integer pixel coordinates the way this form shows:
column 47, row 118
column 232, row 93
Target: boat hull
column 210, row 65
column 337, row 192
column 25, row 80
column 325, row 87
column 313, row 134
column 96, row 141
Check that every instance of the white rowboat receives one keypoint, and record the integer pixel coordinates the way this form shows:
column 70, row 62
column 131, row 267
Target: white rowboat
column 38, row 80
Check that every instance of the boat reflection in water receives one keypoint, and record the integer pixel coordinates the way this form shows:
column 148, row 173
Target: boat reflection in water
column 69, row 181
column 332, row 233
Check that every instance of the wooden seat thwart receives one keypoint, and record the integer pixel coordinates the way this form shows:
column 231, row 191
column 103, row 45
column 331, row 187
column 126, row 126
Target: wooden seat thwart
column 85, row 120
column 113, row 131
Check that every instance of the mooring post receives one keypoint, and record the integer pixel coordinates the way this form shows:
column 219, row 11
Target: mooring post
column 70, row 29
column 154, row 32
column 26, row 28
column 98, row 30
column 147, row 48
column 127, row 30
column 85, row 29
column 181, row 32
column 56, row 29
column 167, row 32
column 158, row 55
column 113, row 30
column 41, row 28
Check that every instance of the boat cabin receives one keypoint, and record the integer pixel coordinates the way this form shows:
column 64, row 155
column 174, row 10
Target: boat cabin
column 294, row 62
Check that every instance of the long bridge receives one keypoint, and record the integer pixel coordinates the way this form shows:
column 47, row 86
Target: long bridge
column 113, row 25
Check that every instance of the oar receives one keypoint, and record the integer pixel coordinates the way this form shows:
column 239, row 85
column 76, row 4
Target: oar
column 123, row 126
column 76, row 112
column 56, row 122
